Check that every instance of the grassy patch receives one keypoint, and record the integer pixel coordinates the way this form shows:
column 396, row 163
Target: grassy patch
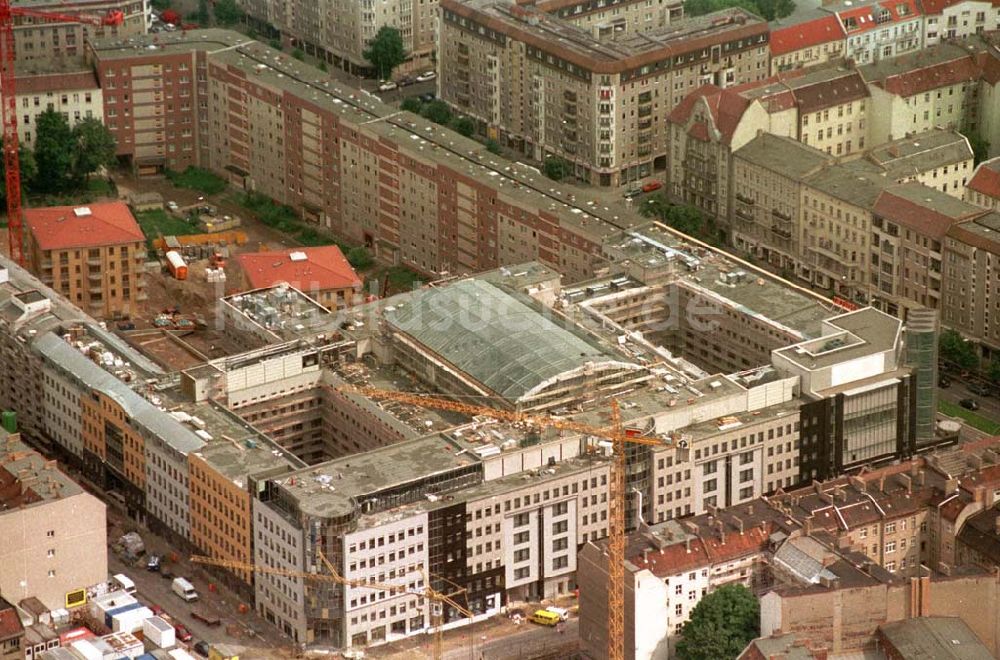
column 974, row 420
column 96, row 188
column 286, row 220
column 159, row 223
column 400, row 280
column 196, row 178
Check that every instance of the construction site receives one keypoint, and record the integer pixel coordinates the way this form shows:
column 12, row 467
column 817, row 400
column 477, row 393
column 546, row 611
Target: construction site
column 442, row 454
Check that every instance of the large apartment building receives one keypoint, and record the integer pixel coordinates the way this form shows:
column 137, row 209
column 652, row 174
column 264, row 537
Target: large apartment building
column 94, row 255
column 55, row 532
column 71, row 90
column 339, row 32
column 545, row 86
column 38, row 40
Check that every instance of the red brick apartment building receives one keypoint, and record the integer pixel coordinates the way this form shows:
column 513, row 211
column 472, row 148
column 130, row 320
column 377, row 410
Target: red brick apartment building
column 412, row 192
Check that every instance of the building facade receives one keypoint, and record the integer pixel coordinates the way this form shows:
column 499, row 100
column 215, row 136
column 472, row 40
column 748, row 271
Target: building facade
column 94, row 255
column 545, row 88
column 56, row 532
column 75, row 94
column 60, row 41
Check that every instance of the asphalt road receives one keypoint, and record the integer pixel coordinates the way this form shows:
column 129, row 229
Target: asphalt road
column 534, row 640
column 989, row 406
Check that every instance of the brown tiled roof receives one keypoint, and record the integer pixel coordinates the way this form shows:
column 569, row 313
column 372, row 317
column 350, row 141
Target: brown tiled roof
column 925, row 79
column 849, row 87
column 922, row 218
column 725, row 106
column 986, row 178
column 10, row 622
column 705, row 551
column 56, row 82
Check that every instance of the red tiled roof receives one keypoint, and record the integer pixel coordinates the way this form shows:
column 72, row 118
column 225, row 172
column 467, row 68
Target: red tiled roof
column 865, row 17
column 918, row 81
column 986, row 178
column 56, row 82
column 805, row 35
column 705, row 551
column 10, row 622
column 322, row 268
column 924, row 220
column 725, row 106
column 699, row 131
column 62, row 227
column 989, row 63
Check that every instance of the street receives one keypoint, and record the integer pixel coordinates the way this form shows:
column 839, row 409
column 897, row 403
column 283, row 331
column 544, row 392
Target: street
column 530, row 642
column 154, row 589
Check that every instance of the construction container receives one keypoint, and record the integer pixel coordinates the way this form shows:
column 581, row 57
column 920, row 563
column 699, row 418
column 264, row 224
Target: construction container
column 159, row 632
column 175, row 262
column 130, row 621
column 8, row 420
column 86, row 650
column 109, row 615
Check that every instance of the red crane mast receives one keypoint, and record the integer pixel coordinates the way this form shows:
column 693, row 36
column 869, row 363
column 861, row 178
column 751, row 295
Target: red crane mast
column 8, row 92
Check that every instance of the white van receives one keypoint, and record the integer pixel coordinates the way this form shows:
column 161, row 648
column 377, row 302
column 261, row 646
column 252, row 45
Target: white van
column 561, row 612
column 123, row 582
column 184, row 589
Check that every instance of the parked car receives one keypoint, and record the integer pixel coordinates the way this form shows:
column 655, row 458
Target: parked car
column 977, row 389
column 166, row 573
column 633, row 193
column 153, row 563
column 427, row 75
column 126, row 325
column 206, row 617
column 182, row 632
column 172, row 206
column 944, row 382
column 428, row 97
column 969, row 404
column 387, row 86
column 156, row 610
column 406, row 80
column 201, row 648
column 650, row 186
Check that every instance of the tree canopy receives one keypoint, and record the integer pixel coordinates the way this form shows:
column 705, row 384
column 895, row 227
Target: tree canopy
column 463, row 126
column 94, row 148
column 956, row 349
column 386, row 51
column 767, row 9
column 436, row 111
column 980, row 147
column 721, row 625
column 227, row 12
column 28, row 171
column 54, row 152
column 683, row 218
column 557, row 168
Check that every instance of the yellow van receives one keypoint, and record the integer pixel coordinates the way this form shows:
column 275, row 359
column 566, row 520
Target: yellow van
column 545, row 618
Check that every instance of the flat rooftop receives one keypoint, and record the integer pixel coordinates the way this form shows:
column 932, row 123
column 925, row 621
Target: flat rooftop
column 330, row 489
column 282, row 310
column 28, row 478
column 848, row 336
column 922, row 152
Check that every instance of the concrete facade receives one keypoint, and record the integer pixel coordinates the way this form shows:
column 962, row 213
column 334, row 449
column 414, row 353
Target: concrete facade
column 76, row 94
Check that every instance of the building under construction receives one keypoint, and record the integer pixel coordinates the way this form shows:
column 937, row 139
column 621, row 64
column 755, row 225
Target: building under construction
column 745, row 383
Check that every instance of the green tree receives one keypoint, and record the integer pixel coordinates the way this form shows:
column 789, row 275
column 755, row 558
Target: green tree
column 721, row 625
column 160, row 5
column 436, row 111
column 204, row 18
column 385, row 51
column 359, row 258
column 956, row 349
column 980, row 147
column 298, row 54
column 93, row 148
column 557, row 168
column 463, row 126
column 227, row 12
column 412, row 104
column 28, row 169
column 323, row 66
column 993, row 372
column 493, row 146
column 53, row 152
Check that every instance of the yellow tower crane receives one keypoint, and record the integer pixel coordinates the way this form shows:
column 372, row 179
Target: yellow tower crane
column 616, row 494
column 428, row 592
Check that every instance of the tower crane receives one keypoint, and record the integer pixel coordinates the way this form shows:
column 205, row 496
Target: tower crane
column 8, row 112
column 334, row 577
column 616, row 495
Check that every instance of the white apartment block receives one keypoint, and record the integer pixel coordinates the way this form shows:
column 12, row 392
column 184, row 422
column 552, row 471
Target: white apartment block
column 961, row 19
column 75, row 94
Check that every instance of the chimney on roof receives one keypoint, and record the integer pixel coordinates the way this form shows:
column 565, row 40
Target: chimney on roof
column 721, row 528
column 974, row 461
column 825, row 496
column 687, row 544
column 951, row 486
column 996, row 526
column 738, row 522
column 645, row 555
column 921, row 477
column 881, row 483
column 807, row 526
column 907, row 483
column 859, row 484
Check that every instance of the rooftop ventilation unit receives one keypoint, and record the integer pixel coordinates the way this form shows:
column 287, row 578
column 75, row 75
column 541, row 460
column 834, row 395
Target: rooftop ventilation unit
column 298, row 256
column 82, row 211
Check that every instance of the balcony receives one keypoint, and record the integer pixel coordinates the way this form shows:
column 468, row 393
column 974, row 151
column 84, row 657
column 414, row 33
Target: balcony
column 94, row 261
column 783, row 232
